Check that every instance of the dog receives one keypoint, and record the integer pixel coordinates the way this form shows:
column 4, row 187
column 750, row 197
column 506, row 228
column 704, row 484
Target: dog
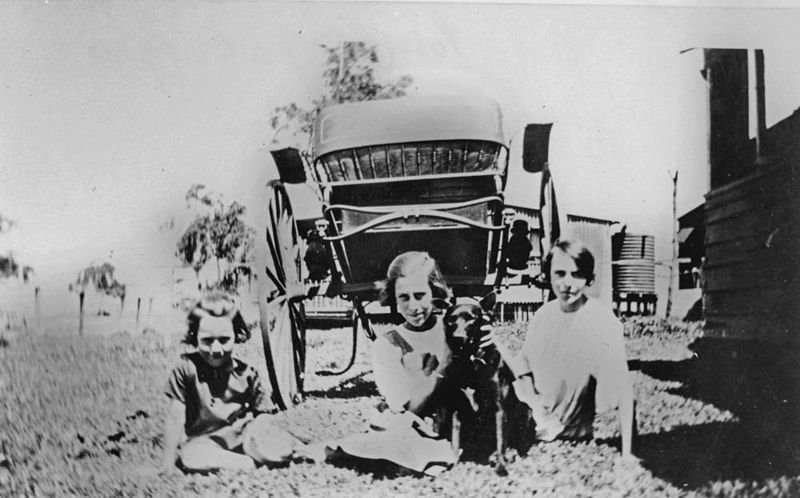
column 479, row 372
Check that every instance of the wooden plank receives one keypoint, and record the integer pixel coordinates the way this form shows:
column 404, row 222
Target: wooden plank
column 755, row 220
column 772, row 329
column 758, row 272
column 733, row 244
column 787, row 205
column 776, row 174
column 783, row 248
column 772, row 198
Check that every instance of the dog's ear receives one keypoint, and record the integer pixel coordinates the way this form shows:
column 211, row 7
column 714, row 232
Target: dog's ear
column 488, row 302
column 440, row 304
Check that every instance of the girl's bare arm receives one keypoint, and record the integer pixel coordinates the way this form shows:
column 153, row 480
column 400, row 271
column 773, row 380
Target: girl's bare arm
column 173, row 431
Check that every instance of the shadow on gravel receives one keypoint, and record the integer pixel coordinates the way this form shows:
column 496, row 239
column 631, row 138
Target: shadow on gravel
column 378, row 469
column 690, row 457
column 679, row 371
column 354, row 387
column 757, row 386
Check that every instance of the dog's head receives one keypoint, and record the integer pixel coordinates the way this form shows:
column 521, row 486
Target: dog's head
column 463, row 323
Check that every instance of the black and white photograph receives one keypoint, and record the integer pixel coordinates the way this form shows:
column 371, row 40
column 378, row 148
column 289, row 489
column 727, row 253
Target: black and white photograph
column 398, row 248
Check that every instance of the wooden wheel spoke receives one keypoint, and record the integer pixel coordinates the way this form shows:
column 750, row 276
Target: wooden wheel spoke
column 276, row 301
column 280, row 285
column 278, row 201
column 299, row 360
column 282, row 317
column 275, row 255
column 273, row 233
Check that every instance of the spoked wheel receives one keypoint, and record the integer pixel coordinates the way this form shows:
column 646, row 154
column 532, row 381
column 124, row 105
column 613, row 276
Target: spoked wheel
column 281, row 291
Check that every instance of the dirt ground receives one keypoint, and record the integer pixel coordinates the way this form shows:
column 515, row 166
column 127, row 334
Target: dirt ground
column 82, row 416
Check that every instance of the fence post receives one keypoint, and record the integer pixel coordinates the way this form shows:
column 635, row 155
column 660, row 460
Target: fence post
column 81, row 295
column 37, row 308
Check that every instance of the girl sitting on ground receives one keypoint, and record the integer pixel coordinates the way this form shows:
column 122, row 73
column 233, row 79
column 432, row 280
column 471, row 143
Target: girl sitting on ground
column 218, row 414
column 410, row 361
column 411, row 365
column 572, row 363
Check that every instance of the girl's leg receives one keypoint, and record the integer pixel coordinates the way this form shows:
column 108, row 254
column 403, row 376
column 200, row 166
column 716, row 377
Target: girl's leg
column 204, row 455
column 266, row 443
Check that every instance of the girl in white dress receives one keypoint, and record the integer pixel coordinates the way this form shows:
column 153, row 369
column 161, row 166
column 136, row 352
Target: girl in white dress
column 412, row 363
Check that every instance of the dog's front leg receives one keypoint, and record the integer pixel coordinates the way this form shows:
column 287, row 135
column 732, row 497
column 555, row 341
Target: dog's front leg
column 456, row 433
column 499, row 417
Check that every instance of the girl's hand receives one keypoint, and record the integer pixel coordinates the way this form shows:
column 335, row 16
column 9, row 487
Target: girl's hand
column 173, row 431
column 487, row 336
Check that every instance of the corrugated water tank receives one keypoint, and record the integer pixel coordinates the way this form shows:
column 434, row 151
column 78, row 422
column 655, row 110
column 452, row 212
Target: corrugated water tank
column 634, row 266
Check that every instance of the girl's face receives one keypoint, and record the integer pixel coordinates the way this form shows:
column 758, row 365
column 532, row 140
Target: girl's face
column 569, row 284
column 215, row 340
column 414, row 298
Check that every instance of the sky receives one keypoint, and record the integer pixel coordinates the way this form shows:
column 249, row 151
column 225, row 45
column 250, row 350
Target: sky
column 110, row 111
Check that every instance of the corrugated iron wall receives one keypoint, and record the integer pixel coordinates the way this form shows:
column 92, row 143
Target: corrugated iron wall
column 752, row 268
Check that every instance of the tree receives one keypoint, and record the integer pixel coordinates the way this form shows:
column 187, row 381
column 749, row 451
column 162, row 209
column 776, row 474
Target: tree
column 349, row 76
column 218, row 233
column 101, row 277
column 10, row 267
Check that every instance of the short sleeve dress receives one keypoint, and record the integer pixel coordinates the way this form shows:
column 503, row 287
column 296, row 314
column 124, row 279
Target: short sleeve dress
column 218, row 400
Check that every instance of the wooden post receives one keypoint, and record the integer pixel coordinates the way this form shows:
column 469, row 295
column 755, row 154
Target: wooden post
column 674, row 262
column 138, row 308
column 37, row 309
column 121, row 310
column 81, row 295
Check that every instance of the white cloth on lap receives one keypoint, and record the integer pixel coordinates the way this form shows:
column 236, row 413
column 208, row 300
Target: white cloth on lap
column 403, row 445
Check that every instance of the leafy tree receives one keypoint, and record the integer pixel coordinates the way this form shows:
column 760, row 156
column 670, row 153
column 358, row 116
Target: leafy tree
column 101, row 277
column 218, row 233
column 10, row 267
column 349, row 76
